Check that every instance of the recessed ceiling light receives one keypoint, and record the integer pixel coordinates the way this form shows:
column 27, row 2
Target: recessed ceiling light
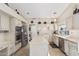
column 55, row 20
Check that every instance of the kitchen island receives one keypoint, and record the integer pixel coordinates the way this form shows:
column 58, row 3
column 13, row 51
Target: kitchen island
column 39, row 46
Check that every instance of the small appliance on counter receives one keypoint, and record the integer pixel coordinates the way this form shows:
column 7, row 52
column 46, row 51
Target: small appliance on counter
column 63, row 30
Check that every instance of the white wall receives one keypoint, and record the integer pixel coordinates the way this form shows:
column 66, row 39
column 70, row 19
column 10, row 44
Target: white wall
column 76, row 19
column 67, row 17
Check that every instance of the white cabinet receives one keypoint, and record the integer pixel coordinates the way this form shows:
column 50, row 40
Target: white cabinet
column 66, row 47
column 56, row 40
column 18, row 46
column 4, row 22
column 11, row 49
column 3, row 52
column 53, row 39
column 38, row 47
column 73, row 49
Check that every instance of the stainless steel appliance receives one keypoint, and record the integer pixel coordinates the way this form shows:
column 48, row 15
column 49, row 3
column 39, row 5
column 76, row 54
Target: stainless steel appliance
column 24, row 39
column 18, row 34
column 21, row 35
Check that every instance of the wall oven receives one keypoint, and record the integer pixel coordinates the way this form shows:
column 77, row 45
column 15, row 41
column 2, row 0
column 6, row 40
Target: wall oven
column 21, row 35
column 18, row 34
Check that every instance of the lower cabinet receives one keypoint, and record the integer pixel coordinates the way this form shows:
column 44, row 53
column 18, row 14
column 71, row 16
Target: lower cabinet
column 66, row 47
column 61, row 44
column 4, row 52
column 71, row 48
column 11, row 49
column 56, row 40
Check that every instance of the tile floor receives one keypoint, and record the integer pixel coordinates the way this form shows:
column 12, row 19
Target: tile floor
column 55, row 52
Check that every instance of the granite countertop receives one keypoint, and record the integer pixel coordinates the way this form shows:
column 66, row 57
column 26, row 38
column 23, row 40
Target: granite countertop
column 69, row 37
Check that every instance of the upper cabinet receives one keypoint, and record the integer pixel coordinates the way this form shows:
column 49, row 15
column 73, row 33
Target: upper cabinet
column 4, row 22
column 11, row 12
column 5, row 14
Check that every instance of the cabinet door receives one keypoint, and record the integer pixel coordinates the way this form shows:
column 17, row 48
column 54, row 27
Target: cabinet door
column 66, row 47
column 56, row 41
column 73, row 49
column 61, row 44
column 4, row 22
column 53, row 39
column 11, row 49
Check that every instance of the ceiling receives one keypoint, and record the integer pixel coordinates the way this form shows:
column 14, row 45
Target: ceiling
column 35, row 10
